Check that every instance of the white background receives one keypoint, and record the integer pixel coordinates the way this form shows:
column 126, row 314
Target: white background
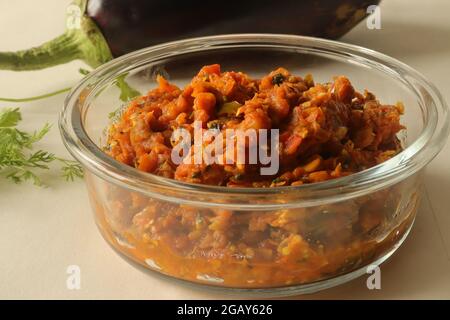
column 43, row 230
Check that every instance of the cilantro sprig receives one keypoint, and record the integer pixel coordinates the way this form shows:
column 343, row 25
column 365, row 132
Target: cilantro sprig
column 18, row 161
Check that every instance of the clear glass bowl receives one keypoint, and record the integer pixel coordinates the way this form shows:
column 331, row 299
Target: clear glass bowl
column 336, row 228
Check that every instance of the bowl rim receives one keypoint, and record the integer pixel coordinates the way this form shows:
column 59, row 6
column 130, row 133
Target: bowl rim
column 410, row 160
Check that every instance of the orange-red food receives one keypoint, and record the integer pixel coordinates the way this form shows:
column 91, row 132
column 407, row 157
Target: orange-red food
column 327, row 131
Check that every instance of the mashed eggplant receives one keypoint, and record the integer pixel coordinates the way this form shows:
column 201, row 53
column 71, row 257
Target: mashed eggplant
column 326, row 131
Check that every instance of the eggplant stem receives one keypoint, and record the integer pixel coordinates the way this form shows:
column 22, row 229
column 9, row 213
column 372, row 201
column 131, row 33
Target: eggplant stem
column 57, row 51
column 86, row 43
column 43, row 96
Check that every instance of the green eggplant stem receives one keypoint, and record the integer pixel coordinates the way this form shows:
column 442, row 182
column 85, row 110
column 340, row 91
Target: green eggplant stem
column 85, row 42
column 58, row 51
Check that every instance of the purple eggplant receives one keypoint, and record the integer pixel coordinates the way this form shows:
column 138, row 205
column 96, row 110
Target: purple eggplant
column 110, row 28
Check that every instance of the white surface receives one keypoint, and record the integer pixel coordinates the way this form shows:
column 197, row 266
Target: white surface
column 44, row 230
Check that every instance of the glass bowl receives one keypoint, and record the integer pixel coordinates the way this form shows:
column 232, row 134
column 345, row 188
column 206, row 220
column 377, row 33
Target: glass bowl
column 333, row 230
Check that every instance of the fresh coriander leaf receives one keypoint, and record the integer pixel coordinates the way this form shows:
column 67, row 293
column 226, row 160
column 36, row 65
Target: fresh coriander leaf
column 126, row 91
column 83, row 71
column 71, row 169
column 18, row 161
column 37, row 135
column 10, row 118
column 20, row 175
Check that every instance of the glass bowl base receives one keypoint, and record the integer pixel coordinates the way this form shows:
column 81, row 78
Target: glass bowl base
column 293, row 290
